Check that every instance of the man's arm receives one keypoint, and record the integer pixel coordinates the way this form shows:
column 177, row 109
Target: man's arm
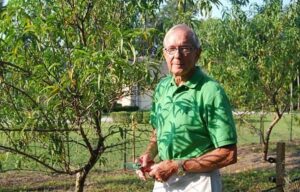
column 210, row 161
column 151, row 149
column 216, row 159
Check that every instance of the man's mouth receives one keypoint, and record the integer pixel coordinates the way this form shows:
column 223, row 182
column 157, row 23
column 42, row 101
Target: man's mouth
column 178, row 64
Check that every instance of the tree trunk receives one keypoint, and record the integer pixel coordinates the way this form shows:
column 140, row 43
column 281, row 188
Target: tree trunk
column 268, row 134
column 80, row 180
column 261, row 126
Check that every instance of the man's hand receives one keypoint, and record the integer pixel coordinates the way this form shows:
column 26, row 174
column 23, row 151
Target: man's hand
column 163, row 170
column 146, row 163
column 147, row 159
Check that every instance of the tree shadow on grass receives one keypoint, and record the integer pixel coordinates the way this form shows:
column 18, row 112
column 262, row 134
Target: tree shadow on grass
column 66, row 187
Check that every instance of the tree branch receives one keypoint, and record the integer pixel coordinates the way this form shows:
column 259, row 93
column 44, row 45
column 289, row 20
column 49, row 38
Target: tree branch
column 2, row 63
column 30, row 98
column 39, row 130
column 16, row 151
column 118, row 144
column 272, row 125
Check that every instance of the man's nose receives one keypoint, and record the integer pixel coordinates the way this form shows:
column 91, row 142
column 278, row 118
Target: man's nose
column 177, row 53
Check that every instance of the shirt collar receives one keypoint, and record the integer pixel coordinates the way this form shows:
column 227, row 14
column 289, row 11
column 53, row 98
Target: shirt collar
column 193, row 81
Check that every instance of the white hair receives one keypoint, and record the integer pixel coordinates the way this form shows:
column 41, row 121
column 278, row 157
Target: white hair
column 192, row 35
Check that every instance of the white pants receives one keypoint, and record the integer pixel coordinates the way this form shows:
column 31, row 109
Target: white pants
column 191, row 182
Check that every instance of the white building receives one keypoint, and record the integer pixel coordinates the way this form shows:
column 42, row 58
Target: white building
column 143, row 101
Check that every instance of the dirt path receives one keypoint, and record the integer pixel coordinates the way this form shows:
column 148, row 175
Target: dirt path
column 251, row 158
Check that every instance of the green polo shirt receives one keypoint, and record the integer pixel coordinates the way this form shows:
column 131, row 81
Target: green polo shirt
column 191, row 119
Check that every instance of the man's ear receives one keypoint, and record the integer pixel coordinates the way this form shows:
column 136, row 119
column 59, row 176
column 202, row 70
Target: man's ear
column 166, row 56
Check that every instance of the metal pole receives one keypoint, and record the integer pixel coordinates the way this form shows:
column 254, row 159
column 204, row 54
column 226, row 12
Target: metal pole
column 291, row 111
column 125, row 150
column 133, row 124
column 298, row 86
column 291, row 131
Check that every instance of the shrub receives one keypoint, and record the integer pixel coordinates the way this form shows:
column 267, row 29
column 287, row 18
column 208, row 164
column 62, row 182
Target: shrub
column 118, row 108
column 137, row 116
column 125, row 116
column 121, row 117
column 146, row 117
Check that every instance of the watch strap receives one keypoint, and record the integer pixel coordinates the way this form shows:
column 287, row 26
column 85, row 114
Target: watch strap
column 181, row 170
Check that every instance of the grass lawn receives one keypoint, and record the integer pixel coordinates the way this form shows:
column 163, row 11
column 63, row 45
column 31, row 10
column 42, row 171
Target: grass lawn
column 108, row 176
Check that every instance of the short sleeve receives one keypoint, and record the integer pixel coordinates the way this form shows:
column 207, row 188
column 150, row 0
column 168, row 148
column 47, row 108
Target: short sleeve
column 153, row 120
column 221, row 124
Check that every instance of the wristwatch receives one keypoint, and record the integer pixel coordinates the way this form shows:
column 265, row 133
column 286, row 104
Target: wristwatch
column 181, row 171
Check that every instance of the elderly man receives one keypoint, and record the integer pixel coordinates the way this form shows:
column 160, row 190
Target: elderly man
column 194, row 132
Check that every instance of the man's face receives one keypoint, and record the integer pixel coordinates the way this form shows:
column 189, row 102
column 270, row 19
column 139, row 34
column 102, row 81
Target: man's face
column 182, row 62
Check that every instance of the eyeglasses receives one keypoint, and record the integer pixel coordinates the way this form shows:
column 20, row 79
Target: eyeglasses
column 184, row 50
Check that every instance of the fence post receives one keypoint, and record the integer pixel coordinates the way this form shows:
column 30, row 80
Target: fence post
column 280, row 166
